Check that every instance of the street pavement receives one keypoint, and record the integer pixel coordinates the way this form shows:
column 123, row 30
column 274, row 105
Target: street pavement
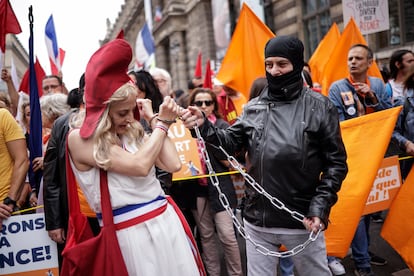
column 395, row 264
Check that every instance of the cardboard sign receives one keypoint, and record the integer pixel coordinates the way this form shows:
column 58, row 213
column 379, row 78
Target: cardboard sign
column 386, row 186
column 25, row 247
column 370, row 16
column 187, row 150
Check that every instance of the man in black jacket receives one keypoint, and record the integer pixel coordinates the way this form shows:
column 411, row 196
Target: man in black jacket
column 296, row 152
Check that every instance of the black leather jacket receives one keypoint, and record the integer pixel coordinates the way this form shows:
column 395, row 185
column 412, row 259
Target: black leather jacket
column 296, row 154
column 54, row 176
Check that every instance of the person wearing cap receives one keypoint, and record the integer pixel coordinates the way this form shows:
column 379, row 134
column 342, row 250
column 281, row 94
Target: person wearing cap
column 355, row 96
column 293, row 140
column 150, row 231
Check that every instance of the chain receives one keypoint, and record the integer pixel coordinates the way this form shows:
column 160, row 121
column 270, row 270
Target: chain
column 275, row 202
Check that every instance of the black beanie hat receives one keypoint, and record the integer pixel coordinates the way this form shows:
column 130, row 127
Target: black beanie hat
column 288, row 47
column 291, row 48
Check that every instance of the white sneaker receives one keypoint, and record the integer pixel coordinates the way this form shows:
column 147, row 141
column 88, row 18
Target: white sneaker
column 336, row 267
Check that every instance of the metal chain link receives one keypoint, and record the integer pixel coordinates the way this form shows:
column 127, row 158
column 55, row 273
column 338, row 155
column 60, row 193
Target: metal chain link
column 275, row 202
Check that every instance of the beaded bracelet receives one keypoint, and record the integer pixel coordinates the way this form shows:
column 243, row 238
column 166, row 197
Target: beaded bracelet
column 164, row 128
column 168, row 122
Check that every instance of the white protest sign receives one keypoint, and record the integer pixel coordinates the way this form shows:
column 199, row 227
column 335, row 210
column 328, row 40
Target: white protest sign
column 371, row 16
column 25, row 247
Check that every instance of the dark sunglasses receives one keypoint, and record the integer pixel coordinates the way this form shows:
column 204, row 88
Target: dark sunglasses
column 200, row 103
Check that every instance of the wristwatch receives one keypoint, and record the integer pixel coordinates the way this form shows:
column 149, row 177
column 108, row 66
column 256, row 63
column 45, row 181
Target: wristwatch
column 9, row 201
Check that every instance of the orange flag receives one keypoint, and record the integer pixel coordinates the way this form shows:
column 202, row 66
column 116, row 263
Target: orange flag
column 366, row 139
column 398, row 228
column 244, row 59
column 336, row 68
column 323, row 52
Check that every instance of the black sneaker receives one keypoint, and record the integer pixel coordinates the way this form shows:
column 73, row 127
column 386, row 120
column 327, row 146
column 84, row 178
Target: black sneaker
column 377, row 260
column 364, row 272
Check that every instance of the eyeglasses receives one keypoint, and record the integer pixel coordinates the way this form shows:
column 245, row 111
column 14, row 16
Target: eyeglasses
column 200, row 103
column 50, row 87
column 160, row 81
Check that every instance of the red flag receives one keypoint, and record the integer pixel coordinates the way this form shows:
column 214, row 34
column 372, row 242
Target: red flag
column 208, row 83
column 120, row 34
column 197, row 72
column 40, row 74
column 8, row 23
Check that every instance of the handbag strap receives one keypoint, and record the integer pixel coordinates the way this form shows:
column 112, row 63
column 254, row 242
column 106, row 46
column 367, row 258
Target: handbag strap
column 73, row 196
column 107, row 215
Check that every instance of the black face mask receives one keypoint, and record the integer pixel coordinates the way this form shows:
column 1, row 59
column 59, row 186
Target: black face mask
column 290, row 48
column 278, row 83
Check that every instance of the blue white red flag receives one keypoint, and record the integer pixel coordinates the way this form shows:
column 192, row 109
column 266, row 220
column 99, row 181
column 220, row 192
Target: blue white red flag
column 158, row 14
column 35, row 137
column 53, row 49
column 144, row 48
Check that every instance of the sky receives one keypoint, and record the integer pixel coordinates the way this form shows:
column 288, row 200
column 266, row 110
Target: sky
column 79, row 26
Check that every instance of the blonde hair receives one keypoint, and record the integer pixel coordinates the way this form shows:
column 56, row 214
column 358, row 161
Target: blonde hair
column 103, row 138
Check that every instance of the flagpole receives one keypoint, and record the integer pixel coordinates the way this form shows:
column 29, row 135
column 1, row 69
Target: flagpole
column 35, row 137
column 148, row 13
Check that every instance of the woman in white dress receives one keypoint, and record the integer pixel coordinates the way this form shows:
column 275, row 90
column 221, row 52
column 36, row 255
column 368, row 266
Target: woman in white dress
column 111, row 138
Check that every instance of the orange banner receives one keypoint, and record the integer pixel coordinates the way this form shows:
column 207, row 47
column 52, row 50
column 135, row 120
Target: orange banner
column 398, row 228
column 186, row 147
column 366, row 139
column 337, row 68
column 386, row 186
column 323, row 52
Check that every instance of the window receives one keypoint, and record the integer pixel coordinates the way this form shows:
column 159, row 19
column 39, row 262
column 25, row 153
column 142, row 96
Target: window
column 317, row 21
column 409, row 20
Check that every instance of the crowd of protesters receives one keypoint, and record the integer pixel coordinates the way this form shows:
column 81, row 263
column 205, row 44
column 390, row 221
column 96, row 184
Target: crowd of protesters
column 138, row 150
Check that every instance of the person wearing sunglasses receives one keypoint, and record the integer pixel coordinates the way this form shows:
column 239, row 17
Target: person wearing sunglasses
column 210, row 214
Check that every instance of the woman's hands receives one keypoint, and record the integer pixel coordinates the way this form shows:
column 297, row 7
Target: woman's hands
column 169, row 110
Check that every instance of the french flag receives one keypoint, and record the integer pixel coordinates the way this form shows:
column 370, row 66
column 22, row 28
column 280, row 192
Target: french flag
column 144, row 48
column 56, row 55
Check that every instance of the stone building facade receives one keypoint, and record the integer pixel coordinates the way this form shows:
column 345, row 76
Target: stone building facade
column 186, row 28
column 15, row 49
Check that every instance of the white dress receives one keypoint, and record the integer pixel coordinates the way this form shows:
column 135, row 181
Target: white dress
column 158, row 246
